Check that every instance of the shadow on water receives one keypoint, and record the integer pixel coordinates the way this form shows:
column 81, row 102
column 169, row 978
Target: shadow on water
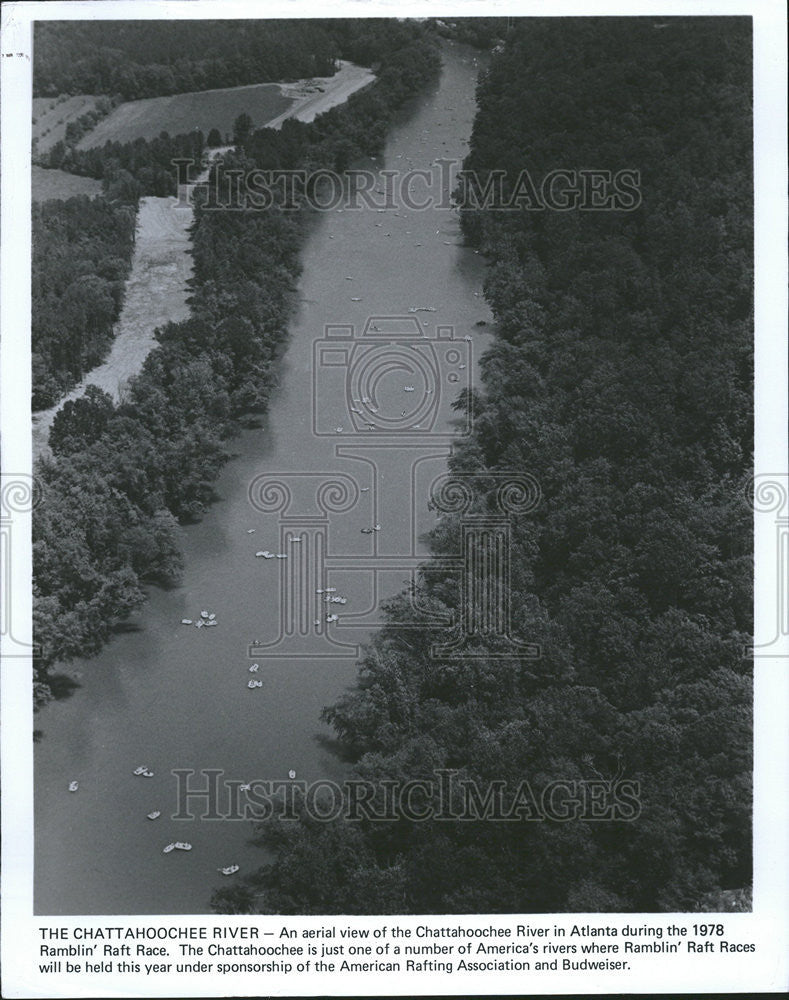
column 124, row 628
column 62, row 686
column 335, row 747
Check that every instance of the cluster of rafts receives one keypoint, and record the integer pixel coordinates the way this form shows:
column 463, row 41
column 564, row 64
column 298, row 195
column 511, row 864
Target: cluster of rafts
column 207, row 619
column 143, row 771
column 329, row 594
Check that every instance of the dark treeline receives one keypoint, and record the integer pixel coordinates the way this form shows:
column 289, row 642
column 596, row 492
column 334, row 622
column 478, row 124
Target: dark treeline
column 121, row 477
column 138, row 59
column 82, row 251
column 621, row 380
column 135, row 169
column 481, row 32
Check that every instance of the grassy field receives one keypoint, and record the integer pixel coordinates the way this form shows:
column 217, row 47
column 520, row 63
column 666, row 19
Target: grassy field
column 58, row 184
column 52, row 114
column 181, row 113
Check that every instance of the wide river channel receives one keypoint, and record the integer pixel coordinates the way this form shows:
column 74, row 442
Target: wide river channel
column 357, row 432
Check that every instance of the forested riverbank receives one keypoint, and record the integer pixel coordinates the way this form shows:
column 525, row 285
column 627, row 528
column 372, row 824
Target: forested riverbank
column 82, row 250
column 621, row 379
column 121, row 477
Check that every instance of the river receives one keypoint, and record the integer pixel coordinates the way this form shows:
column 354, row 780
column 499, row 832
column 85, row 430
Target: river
column 173, row 696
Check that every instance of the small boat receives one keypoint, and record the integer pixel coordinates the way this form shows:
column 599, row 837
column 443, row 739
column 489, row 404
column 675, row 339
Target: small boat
column 155, row 814
column 73, row 786
column 230, row 870
column 187, row 621
column 170, row 847
column 141, row 769
column 181, row 845
column 291, row 774
column 254, row 668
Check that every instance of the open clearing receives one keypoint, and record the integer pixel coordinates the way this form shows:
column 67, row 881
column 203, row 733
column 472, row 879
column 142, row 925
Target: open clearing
column 266, row 104
column 59, row 184
column 52, row 114
column 180, row 113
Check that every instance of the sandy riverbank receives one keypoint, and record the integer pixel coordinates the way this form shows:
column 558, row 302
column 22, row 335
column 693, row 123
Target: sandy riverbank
column 333, row 90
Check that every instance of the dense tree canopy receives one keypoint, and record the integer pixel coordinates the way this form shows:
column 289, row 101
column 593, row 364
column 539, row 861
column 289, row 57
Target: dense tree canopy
column 82, row 251
column 137, row 59
column 621, row 380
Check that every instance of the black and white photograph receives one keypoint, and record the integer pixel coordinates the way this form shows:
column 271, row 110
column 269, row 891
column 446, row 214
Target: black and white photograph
column 394, row 499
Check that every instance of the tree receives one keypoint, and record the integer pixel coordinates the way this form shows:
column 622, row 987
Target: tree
column 81, row 421
column 242, row 129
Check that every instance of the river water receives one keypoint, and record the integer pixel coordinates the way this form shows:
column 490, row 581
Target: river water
column 173, row 696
